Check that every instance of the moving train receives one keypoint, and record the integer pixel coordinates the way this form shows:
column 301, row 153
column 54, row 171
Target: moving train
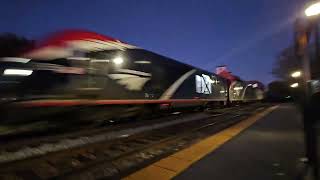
column 82, row 75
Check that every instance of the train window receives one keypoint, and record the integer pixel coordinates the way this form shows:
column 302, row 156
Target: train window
column 97, row 55
column 215, row 80
column 139, row 60
column 78, row 63
column 99, row 67
column 203, row 84
column 198, row 84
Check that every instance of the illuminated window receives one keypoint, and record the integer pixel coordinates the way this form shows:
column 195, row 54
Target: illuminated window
column 203, row 84
column 207, row 84
column 198, row 84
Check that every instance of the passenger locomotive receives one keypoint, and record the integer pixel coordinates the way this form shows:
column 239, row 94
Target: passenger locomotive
column 81, row 75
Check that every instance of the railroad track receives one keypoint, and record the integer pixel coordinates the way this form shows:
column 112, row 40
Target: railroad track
column 113, row 158
column 10, row 144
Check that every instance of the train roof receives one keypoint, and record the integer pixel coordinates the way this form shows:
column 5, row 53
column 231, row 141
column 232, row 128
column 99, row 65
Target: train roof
column 65, row 43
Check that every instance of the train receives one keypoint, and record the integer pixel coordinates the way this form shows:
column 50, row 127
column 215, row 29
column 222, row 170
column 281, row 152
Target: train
column 82, row 75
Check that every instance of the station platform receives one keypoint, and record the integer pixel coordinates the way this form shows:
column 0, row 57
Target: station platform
column 266, row 146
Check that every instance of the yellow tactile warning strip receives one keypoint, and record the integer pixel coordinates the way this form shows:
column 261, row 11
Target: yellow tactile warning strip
column 171, row 166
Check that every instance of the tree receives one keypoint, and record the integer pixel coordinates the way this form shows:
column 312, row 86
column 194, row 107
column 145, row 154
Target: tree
column 287, row 62
column 12, row 45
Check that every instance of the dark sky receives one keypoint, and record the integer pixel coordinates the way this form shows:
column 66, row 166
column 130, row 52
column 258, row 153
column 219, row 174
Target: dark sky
column 246, row 35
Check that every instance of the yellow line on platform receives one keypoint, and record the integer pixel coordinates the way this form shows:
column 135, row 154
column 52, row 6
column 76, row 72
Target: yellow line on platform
column 171, row 166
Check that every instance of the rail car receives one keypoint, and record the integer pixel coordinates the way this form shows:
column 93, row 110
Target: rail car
column 81, row 75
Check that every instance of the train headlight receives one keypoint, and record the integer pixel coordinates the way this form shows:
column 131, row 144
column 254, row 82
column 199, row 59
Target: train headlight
column 117, row 60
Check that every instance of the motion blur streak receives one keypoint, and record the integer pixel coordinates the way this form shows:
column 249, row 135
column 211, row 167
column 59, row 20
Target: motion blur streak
column 17, row 72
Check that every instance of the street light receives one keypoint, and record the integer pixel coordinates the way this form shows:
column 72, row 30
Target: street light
column 294, row 85
column 313, row 12
column 313, row 9
column 296, row 74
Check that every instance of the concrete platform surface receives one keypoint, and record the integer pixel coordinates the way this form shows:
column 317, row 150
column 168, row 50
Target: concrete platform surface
column 269, row 149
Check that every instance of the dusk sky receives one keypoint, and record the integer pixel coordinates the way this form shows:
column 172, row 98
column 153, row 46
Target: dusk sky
column 246, row 35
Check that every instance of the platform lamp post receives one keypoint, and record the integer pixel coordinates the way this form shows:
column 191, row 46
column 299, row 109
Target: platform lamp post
column 312, row 12
column 303, row 31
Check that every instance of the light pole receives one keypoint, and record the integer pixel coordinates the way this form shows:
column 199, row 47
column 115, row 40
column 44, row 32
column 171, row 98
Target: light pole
column 312, row 12
column 303, row 31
